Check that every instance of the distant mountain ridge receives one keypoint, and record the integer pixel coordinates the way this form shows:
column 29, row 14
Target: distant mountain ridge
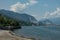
column 56, row 20
column 45, row 22
column 20, row 17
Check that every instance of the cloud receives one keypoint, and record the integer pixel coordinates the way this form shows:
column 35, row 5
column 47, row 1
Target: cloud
column 18, row 6
column 53, row 14
column 56, row 13
column 33, row 2
column 46, row 15
column 21, row 6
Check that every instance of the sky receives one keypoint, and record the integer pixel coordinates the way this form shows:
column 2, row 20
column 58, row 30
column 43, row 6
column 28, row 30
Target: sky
column 40, row 9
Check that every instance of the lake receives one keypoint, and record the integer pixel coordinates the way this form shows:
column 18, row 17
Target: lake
column 40, row 32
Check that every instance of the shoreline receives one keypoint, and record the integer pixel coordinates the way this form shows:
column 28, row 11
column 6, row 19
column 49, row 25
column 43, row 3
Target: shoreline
column 9, row 35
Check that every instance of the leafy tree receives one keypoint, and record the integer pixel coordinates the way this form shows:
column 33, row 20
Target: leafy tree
column 6, row 22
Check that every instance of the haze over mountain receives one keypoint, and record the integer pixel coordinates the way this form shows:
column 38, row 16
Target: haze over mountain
column 28, row 18
column 20, row 17
column 45, row 22
column 55, row 21
column 53, row 16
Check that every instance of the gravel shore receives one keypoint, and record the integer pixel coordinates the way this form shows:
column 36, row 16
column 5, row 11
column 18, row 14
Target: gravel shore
column 6, row 35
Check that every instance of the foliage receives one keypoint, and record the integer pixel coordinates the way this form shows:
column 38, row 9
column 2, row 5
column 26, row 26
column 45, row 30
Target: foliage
column 6, row 22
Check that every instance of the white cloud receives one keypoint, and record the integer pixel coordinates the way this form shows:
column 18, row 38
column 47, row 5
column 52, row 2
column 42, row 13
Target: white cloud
column 57, row 12
column 21, row 6
column 33, row 2
column 18, row 6
column 46, row 15
column 53, row 14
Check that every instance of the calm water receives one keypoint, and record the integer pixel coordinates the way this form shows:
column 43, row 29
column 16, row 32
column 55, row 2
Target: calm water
column 40, row 32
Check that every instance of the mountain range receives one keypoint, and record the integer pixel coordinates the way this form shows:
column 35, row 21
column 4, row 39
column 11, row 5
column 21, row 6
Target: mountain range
column 28, row 18
column 45, row 22
column 18, row 16
column 51, row 21
column 56, row 20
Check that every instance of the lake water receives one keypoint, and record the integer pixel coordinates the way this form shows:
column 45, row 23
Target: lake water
column 40, row 32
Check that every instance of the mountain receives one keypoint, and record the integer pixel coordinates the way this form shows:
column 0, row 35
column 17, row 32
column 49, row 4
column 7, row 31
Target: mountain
column 55, row 20
column 18, row 16
column 45, row 22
